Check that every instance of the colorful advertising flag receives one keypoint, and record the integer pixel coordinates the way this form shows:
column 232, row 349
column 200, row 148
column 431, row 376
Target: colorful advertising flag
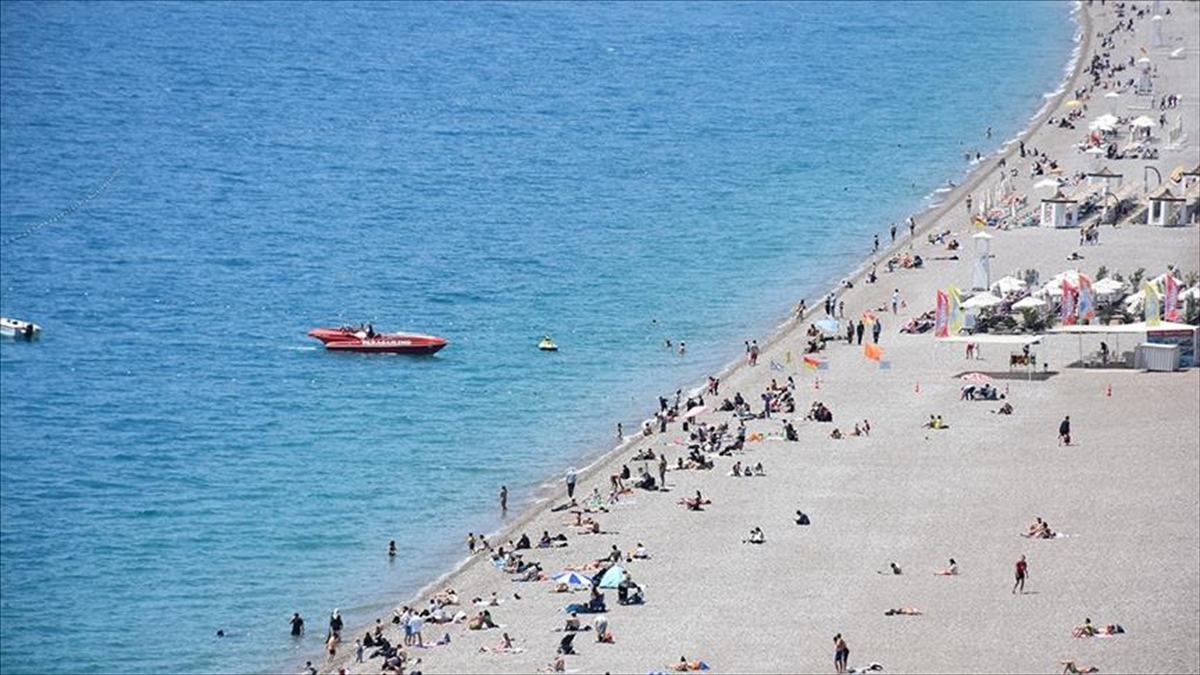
column 1152, row 304
column 1171, row 299
column 1068, row 303
column 941, row 316
column 956, row 313
column 1087, row 308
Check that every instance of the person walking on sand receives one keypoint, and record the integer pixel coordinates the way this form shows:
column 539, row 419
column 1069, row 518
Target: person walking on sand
column 912, row 227
column 896, row 301
column 754, row 352
column 504, row 499
column 876, row 330
column 1021, row 573
column 571, row 478
column 1064, row 431
column 859, row 330
column 841, row 653
column 969, row 202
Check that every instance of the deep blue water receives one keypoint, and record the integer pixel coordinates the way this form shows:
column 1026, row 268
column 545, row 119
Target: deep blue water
column 175, row 454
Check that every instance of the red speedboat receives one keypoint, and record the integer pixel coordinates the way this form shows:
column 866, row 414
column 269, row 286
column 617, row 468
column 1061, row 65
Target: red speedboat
column 365, row 339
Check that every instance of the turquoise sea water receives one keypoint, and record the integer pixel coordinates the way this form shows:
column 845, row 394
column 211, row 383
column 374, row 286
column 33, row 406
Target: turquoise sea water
column 176, row 456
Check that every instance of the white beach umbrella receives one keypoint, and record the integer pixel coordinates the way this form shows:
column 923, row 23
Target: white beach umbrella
column 1029, row 303
column 1096, row 150
column 981, row 301
column 694, row 411
column 1046, row 183
column 1108, row 287
column 1006, row 285
column 1143, row 122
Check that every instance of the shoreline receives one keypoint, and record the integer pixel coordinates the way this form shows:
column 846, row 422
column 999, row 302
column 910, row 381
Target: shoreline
column 593, row 464
column 901, row 494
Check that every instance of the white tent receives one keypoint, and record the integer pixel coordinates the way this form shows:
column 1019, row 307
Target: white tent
column 1006, row 285
column 1108, row 287
column 1029, row 303
column 981, row 301
column 1143, row 122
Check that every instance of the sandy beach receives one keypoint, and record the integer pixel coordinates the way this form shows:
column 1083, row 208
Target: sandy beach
column 1126, row 491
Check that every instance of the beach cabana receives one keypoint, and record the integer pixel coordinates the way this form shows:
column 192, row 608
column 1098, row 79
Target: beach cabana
column 1165, row 209
column 1060, row 211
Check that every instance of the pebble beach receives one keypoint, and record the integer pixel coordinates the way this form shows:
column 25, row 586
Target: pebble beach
column 1125, row 492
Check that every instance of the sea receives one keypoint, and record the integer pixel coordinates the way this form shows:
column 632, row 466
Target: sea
column 187, row 188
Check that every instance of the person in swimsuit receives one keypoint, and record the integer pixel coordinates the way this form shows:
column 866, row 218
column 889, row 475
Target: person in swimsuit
column 1021, row 573
column 841, row 653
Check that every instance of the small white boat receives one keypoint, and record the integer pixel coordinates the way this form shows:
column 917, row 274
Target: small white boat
column 19, row 330
column 547, row 345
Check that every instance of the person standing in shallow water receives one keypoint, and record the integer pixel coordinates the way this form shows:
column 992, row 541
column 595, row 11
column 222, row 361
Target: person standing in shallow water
column 297, row 624
column 504, row 498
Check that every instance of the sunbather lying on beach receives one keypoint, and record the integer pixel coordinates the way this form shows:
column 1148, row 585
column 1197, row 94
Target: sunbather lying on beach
column 683, row 665
column 870, row 668
column 836, row 434
column 904, row 611
column 1088, row 629
column 950, row 571
column 558, row 665
column 695, row 503
column 1070, row 668
column 893, row 569
column 1005, row 409
column 481, row 621
column 505, row 646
